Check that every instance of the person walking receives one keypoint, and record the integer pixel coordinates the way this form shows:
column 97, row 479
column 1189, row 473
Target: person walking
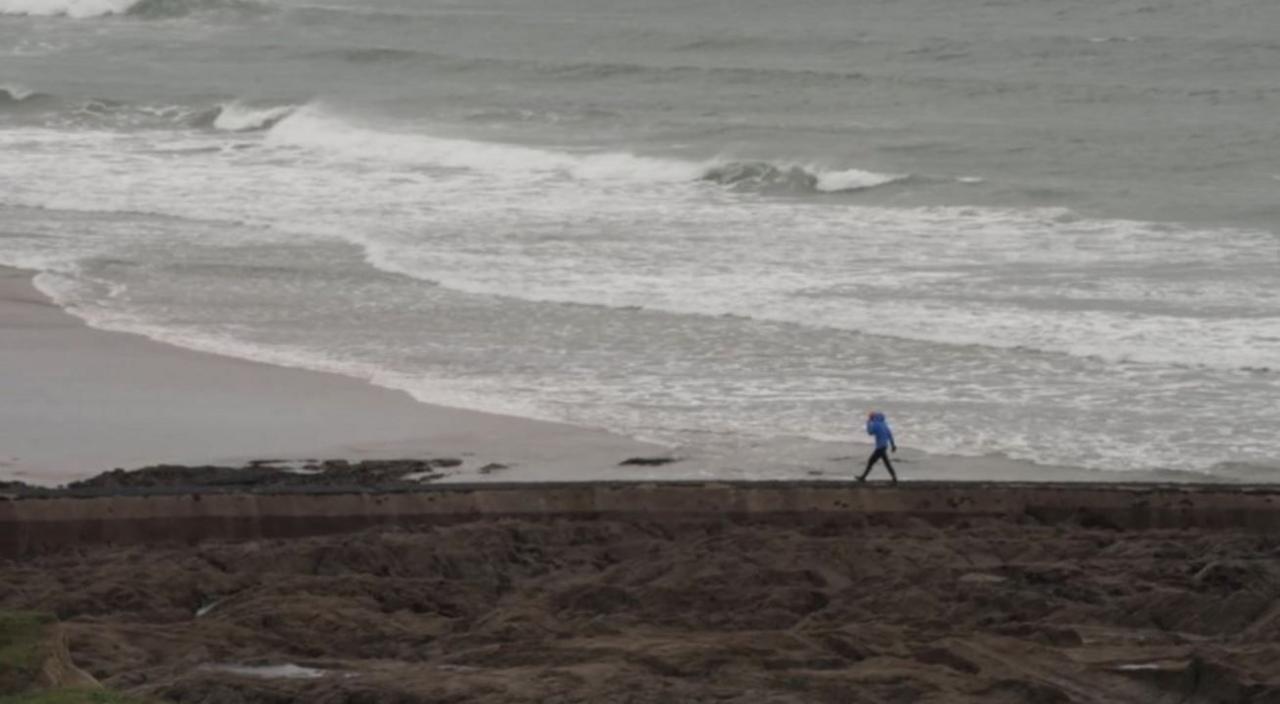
column 879, row 427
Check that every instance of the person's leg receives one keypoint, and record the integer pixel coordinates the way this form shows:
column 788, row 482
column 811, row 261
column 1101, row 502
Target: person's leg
column 879, row 453
column 884, row 455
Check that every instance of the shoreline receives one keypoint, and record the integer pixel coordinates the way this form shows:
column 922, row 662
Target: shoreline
column 79, row 401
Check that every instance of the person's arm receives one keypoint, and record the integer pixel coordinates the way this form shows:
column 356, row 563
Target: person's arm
column 892, row 444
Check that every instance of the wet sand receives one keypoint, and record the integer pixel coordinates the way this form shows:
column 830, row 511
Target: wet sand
column 75, row 401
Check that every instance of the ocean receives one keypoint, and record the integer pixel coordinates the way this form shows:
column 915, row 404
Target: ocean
column 1041, row 230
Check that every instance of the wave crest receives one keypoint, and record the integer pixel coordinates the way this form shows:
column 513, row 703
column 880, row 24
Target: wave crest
column 14, row 94
column 765, row 177
column 315, row 129
column 156, row 9
column 237, row 116
column 18, row 96
column 76, row 9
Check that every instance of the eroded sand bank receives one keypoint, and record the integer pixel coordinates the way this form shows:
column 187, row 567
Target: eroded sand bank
column 689, row 593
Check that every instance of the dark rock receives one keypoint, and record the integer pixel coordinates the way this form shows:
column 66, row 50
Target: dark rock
column 946, row 658
column 1231, row 576
column 178, row 475
column 646, row 461
column 594, row 599
column 264, row 475
column 1026, row 691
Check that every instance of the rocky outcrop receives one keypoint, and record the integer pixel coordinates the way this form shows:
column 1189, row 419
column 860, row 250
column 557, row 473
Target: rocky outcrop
column 267, row 475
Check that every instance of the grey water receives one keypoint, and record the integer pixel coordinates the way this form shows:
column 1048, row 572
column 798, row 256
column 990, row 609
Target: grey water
column 1041, row 230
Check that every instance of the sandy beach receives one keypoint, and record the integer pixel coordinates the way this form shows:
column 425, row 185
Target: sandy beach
column 77, row 401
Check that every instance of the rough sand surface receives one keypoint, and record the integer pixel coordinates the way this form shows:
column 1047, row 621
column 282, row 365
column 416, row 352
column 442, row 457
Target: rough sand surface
column 888, row 609
column 75, row 401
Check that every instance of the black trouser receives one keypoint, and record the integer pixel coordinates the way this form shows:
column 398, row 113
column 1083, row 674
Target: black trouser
column 881, row 453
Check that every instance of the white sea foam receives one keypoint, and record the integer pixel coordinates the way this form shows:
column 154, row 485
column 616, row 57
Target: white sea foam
column 841, row 268
column 77, row 9
column 995, row 289
column 317, row 128
column 852, row 180
column 314, row 128
column 963, row 298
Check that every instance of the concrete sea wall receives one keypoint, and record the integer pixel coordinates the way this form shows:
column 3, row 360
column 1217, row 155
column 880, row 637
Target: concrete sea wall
column 35, row 525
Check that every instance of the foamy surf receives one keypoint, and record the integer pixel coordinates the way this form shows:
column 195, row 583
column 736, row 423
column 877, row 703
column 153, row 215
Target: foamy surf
column 766, row 177
column 314, row 128
column 802, row 263
column 85, row 9
column 75, row 9
column 854, row 180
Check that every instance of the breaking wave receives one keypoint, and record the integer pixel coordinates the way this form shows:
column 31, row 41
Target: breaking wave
column 764, row 177
column 236, row 116
column 81, row 9
column 313, row 128
column 70, row 8
column 18, row 96
column 14, row 94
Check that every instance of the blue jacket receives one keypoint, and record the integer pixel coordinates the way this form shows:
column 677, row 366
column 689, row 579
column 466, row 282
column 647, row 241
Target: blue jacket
column 879, row 427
